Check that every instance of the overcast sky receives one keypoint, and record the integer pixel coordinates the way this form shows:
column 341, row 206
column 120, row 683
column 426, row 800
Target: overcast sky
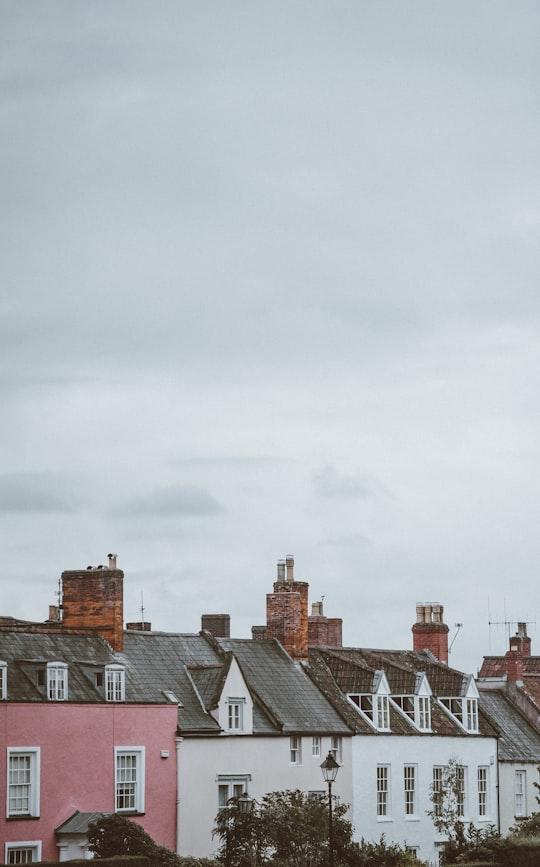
column 270, row 286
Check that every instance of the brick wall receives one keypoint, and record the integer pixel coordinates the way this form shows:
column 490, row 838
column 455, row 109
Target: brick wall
column 92, row 599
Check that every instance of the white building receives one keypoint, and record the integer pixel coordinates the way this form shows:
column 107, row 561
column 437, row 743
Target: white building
column 411, row 714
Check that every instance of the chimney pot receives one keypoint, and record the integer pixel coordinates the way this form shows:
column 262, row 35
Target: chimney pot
column 289, row 562
column 112, row 560
column 281, row 570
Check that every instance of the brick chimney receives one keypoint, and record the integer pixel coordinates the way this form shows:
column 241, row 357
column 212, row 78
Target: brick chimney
column 430, row 632
column 520, row 642
column 93, row 601
column 218, row 624
column 287, row 611
column 324, row 631
column 514, row 666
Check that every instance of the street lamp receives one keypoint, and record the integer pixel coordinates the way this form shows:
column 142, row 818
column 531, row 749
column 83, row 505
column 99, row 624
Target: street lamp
column 245, row 803
column 329, row 770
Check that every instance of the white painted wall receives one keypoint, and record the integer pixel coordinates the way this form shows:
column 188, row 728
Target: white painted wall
column 507, row 795
column 424, row 751
column 266, row 759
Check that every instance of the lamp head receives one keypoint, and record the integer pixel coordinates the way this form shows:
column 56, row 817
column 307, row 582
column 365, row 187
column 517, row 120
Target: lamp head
column 330, row 768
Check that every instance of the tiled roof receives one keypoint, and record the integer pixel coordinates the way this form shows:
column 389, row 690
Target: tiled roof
column 497, row 666
column 341, row 671
column 25, row 653
column 518, row 739
column 283, row 689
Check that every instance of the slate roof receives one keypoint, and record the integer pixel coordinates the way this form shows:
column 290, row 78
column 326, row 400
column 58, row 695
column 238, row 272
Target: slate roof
column 341, row 671
column 25, row 653
column 184, row 664
column 78, row 823
column 519, row 741
column 282, row 690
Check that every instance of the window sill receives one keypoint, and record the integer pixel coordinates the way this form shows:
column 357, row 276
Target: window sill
column 129, row 813
column 384, row 819
column 412, row 818
column 23, row 817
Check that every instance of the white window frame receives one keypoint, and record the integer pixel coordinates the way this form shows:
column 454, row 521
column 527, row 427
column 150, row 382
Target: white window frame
column 383, row 793
column 57, row 681
column 31, row 784
column 115, row 683
column 316, row 747
column 33, row 846
column 471, row 714
column 295, row 750
column 382, row 713
column 461, row 772
column 423, row 712
column 520, row 793
column 437, row 789
column 128, row 785
column 375, row 707
column 231, row 786
column 410, row 790
column 483, row 790
column 3, row 680
column 335, row 748
column 235, row 714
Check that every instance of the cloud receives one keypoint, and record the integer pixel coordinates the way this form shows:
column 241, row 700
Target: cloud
column 184, row 500
column 329, row 483
column 37, row 492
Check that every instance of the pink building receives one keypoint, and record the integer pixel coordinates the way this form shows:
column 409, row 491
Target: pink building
column 81, row 732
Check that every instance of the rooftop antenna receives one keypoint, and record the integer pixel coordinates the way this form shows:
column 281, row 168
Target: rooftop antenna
column 142, row 608
column 458, row 627
column 507, row 624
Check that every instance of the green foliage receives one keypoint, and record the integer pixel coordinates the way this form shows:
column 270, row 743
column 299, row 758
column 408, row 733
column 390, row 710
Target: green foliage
column 472, row 845
column 113, row 835
column 529, row 827
column 290, row 829
column 190, row 861
column 382, row 854
column 447, row 801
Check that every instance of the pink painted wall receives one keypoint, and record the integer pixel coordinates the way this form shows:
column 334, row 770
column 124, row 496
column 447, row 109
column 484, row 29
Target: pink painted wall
column 77, row 764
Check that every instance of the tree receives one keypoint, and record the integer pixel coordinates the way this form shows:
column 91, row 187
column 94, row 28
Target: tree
column 290, row 829
column 287, row 828
column 447, row 794
column 112, row 835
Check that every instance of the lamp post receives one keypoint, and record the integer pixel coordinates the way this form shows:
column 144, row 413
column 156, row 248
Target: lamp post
column 329, row 770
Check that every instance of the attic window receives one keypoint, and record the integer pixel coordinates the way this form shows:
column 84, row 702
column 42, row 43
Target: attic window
column 235, row 714
column 170, row 696
column 57, row 681
column 374, row 707
column 3, row 680
column 464, row 710
column 115, row 683
column 417, row 708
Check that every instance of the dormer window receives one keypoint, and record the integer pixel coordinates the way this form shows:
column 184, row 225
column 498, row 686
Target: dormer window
column 235, row 714
column 57, row 681
column 471, row 709
column 3, row 680
column 115, row 680
column 423, row 712
column 416, row 708
column 375, row 708
column 464, row 710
